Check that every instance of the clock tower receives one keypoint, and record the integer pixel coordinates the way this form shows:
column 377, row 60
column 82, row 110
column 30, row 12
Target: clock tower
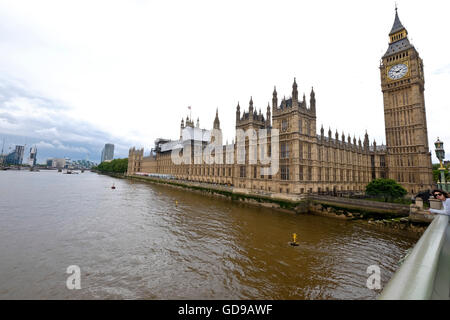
column 402, row 84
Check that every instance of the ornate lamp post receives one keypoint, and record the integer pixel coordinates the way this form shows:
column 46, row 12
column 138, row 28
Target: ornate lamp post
column 440, row 154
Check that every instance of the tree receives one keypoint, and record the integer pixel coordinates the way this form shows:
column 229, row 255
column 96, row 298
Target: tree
column 388, row 189
column 114, row 166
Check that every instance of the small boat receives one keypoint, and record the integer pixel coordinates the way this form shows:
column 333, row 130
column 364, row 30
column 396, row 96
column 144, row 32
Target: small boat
column 113, row 187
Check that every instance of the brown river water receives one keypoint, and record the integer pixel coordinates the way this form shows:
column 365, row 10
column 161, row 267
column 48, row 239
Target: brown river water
column 134, row 242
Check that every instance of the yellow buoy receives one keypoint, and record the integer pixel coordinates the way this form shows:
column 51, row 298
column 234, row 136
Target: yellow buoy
column 176, row 203
column 294, row 240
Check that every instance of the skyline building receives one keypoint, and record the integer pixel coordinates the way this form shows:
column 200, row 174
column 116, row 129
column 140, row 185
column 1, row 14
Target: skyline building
column 15, row 157
column 107, row 152
column 32, row 157
column 59, row 163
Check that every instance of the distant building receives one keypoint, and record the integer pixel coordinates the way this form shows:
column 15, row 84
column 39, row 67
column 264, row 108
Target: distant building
column 83, row 164
column 50, row 162
column 15, row 157
column 59, row 162
column 108, row 152
column 67, row 162
column 33, row 155
column 56, row 163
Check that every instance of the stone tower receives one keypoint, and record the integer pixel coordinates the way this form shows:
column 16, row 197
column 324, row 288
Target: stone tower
column 246, row 171
column 251, row 119
column 297, row 135
column 402, row 84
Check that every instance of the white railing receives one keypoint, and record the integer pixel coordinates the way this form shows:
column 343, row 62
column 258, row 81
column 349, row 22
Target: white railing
column 415, row 279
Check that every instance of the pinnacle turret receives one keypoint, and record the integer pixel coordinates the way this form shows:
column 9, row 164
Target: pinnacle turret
column 216, row 120
column 238, row 113
column 274, row 99
column 294, row 91
column 312, row 100
column 250, row 108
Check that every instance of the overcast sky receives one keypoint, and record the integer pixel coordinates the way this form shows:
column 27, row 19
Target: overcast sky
column 75, row 75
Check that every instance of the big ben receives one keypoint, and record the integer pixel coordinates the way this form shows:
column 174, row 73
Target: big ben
column 402, row 84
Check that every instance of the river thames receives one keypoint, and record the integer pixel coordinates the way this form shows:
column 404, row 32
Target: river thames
column 134, row 242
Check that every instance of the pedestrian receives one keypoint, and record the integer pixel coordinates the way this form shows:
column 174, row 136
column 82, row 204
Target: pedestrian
column 443, row 196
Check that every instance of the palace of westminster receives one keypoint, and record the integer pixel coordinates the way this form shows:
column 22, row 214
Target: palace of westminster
column 311, row 162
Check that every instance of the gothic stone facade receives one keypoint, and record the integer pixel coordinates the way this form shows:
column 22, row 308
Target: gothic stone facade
column 324, row 162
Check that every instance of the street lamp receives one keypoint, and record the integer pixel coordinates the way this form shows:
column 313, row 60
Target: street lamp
column 440, row 154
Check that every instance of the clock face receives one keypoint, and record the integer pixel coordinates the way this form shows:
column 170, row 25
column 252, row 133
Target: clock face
column 398, row 71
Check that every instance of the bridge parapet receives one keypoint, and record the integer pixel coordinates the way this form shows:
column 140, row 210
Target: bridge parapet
column 421, row 275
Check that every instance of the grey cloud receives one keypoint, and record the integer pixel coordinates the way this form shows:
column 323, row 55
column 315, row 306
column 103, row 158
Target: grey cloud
column 7, row 117
column 13, row 88
column 38, row 120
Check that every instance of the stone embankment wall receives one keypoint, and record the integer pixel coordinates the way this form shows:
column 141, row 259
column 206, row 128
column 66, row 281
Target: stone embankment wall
column 390, row 216
column 297, row 204
column 346, row 208
column 417, row 220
